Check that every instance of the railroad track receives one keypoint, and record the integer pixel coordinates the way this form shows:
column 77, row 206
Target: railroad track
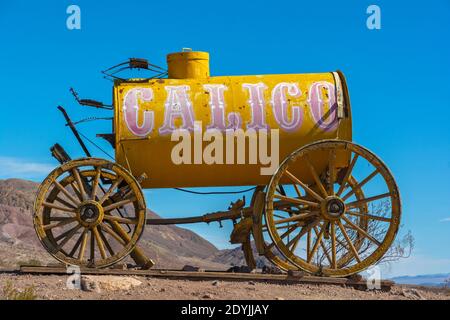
column 285, row 278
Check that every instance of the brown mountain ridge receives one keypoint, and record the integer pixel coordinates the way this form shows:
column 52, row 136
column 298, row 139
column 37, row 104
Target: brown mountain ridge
column 168, row 246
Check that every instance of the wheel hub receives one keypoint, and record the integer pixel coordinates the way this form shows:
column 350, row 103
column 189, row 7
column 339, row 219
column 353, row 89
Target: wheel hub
column 90, row 214
column 333, row 208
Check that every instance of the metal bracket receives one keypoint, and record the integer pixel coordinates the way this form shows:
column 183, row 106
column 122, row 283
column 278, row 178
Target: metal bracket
column 339, row 95
column 90, row 102
column 110, row 137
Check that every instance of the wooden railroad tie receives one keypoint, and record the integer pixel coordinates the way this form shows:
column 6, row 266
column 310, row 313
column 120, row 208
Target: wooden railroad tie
column 289, row 278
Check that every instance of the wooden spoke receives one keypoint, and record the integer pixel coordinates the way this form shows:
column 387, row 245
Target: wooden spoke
column 284, row 235
column 360, row 185
column 123, row 193
column 316, row 177
column 120, row 231
column 279, row 216
column 294, row 242
column 110, row 190
column 69, row 235
column 95, row 183
column 349, row 241
column 286, row 205
column 367, row 235
column 120, row 219
column 56, row 207
column 307, row 228
column 77, row 244
column 308, row 245
column 347, row 175
column 297, row 190
column 66, row 193
column 83, row 245
column 280, row 190
column 362, row 201
column 316, row 245
column 295, row 218
column 57, row 218
column 66, row 233
column 92, row 248
column 332, row 170
column 368, row 216
column 304, row 186
column 58, row 224
column 105, row 241
column 99, row 243
column 64, row 202
column 288, row 225
column 76, row 191
column 333, row 245
column 296, row 200
column 118, row 204
column 112, row 233
column 80, row 185
column 322, row 245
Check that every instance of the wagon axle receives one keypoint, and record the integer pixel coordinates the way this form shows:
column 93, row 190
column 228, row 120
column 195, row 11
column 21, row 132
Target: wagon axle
column 90, row 214
column 333, row 208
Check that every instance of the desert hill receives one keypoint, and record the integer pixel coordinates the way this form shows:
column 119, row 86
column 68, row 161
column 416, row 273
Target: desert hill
column 168, row 246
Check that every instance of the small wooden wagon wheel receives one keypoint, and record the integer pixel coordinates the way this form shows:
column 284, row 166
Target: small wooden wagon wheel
column 89, row 212
column 333, row 227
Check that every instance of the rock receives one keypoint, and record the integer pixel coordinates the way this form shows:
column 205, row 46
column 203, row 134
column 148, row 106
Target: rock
column 240, row 269
column 355, row 277
column 215, row 283
column 207, row 296
column 90, row 285
column 108, row 283
column 271, row 270
column 412, row 294
column 120, row 266
column 297, row 273
column 252, row 283
column 279, row 298
column 162, row 290
column 190, row 268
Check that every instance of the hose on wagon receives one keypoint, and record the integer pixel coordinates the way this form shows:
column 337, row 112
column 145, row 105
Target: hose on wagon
column 179, row 189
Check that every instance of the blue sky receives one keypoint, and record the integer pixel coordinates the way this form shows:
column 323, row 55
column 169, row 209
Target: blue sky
column 399, row 82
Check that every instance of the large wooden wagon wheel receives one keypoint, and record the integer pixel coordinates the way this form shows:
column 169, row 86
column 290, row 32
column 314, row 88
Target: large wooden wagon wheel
column 89, row 212
column 328, row 228
column 271, row 251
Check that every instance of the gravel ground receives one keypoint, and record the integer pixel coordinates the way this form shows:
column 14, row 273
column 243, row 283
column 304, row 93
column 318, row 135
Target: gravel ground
column 54, row 287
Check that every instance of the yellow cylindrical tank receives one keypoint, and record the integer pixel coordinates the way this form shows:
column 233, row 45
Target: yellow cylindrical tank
column 188, row 64
column 302, row 108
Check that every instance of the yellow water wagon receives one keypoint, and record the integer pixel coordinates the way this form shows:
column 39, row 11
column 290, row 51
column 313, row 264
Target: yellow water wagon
column 320, row 203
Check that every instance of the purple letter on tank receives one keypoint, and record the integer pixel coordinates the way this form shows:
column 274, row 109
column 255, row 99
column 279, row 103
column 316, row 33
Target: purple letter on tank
column 217, row 105
column 325, row 120
column 131, row 111
column 178, row 105
column 257, row 104
column 280, row 106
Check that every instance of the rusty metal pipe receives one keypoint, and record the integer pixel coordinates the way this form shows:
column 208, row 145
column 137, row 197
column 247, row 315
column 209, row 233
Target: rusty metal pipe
column 209, row 217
